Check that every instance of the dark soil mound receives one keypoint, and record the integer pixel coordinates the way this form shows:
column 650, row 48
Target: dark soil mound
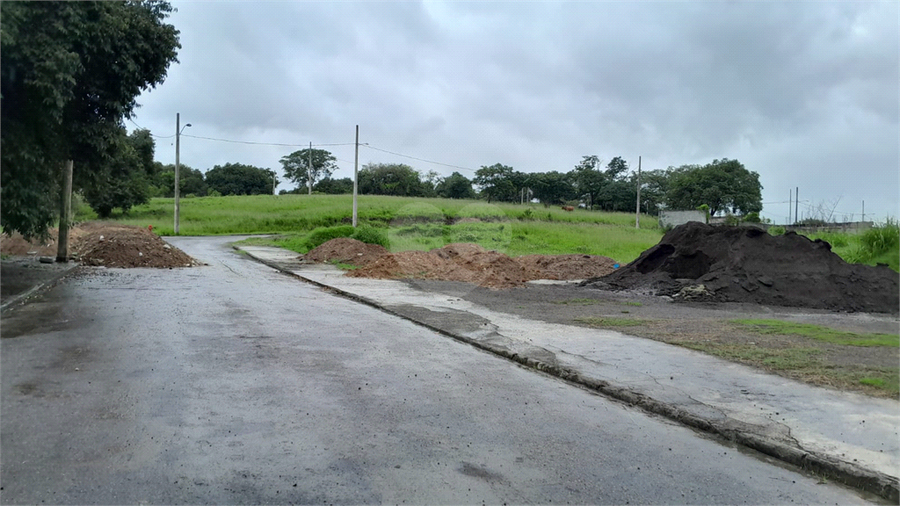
column 740, row 264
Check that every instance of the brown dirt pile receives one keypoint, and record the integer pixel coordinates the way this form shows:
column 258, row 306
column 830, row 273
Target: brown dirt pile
column 469, row 263
column 740, row 264
column 347, row 251
column 565, row 266
column 106, row 244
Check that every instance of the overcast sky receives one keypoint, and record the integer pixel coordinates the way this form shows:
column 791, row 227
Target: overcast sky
column 804, row 93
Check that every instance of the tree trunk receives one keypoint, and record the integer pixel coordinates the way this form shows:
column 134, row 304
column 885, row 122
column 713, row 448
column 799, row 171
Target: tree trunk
column 65, row 213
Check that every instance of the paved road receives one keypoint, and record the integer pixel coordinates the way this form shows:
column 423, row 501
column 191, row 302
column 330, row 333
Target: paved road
column 233, row 383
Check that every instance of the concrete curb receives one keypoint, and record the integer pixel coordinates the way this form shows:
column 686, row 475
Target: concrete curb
column 885, row 486
column 40, row 287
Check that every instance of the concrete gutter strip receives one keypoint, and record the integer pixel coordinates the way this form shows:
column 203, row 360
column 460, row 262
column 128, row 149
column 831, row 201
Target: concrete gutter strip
column 832, row 468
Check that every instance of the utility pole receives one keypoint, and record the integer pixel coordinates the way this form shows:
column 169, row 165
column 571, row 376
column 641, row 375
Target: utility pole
column 796, row 204
column 790, row 204
column 178, row 130
column 637, row 212
column 65, row 213
column 273, row 182
column 864, row 211
column 355, row 174
column 177, row 155
column 309, row 169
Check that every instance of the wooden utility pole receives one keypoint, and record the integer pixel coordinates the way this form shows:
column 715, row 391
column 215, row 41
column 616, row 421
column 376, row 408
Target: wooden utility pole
column 790, row 204
column 637, row 212
column 355, row 175
column 796, row 204
column 65, row 213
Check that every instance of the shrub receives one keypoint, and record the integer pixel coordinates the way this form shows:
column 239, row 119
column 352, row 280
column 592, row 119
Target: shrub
column 322, row 235
column 752, row 218
column 371, row 235
column 776, row 230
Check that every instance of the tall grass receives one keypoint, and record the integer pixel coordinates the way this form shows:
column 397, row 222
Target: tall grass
column 878, row 245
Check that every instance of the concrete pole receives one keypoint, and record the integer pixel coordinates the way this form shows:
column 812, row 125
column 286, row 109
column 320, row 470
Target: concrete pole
column 637, row 212
column 177, row 160
column 309, row 168
column 65, row 213
column 355, row 175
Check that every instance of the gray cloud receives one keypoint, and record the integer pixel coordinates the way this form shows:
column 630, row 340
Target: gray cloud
column 804, row 93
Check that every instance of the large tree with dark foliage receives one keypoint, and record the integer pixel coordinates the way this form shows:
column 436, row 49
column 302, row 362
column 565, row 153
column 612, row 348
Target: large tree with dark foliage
column 723, row 185
column 497, row 182
column 551, row 187
column 239, row 179
column 391, row 179
column 455, row 186
column 123, row 179
column 71, row 72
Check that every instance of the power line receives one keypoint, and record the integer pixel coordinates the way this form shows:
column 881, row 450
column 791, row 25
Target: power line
column 266, row 143
column 419, row 159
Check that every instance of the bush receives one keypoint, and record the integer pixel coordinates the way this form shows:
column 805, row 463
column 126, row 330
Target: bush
column 752, row 218
column 776, row 230
column 364, row 233
column 322, row 235
column 371, row 235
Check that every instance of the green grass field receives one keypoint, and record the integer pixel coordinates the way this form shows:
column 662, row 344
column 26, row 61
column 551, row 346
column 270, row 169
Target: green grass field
column 409, row 223
column 422, row 224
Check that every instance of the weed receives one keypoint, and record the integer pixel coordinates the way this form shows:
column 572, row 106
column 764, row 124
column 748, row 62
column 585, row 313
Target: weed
column 875, row 382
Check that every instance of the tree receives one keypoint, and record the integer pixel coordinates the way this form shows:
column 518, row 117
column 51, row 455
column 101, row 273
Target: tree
column 71, row 72
column 334, row 186
column 190, row 181
column 390, row 179
column 723, row 185
column 455, row 186
column 617, row 192
column 123, row 180
column 496, row 182
column 654, row 185
column 296, row 166
column 239, row 179
column 587, row 179
column 551, row 188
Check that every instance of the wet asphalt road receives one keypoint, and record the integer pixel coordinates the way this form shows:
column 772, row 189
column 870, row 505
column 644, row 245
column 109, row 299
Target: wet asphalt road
column 233, row 383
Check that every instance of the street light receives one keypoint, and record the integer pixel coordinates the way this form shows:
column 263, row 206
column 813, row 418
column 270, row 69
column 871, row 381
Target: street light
column 178, row 130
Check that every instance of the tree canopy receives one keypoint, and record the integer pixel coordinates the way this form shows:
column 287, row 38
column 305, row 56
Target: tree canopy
column 391, row 179
column 124, row 179
column 296, row 166
column 239, row 179
column 71, row 73
column 455, row 186
column 496, row 182
column 723, row 185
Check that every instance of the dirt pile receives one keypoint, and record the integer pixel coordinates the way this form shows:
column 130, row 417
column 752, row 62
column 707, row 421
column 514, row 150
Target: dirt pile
column 106, row 244
column 696, row 261
column 469, row 263
column 346, row 251
column 566, row 266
